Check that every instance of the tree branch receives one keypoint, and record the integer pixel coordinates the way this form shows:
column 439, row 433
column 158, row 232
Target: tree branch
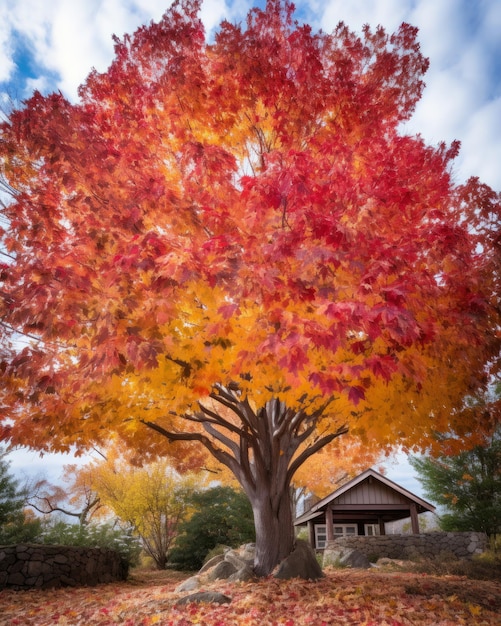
column 223, row 457
column 315, row 447
column 226, row 441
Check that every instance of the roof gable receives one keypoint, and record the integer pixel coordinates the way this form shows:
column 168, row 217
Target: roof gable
column 370, row 491
column 370, row 488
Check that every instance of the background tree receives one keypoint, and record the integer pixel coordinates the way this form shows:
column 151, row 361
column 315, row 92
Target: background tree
column 467, row 485
column 77, row 499
column 230, row 249
column 16, row 524
column 153, row 500
column 221, row 516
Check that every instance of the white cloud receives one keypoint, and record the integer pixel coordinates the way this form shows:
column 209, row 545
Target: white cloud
column 398, row 469
column 70, row 37
column 443, row 28
column 213, row 12
column 6, row 45
column 356, row 13
column 482, row 144
column 30, row 466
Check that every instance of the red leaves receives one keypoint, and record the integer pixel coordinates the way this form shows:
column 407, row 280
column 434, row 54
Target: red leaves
column 228, row 310
column 296, row 358
column 383, row 366
column 347, row 598
column 356, row 394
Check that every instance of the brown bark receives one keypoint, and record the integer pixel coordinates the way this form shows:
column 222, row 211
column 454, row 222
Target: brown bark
column 273, row 520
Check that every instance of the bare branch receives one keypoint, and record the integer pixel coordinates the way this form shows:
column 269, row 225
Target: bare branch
column 315, row 447
column 226, row 441
column 222, row 456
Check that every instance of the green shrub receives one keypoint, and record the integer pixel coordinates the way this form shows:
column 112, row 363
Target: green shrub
column 104, row 535
column 303, row 534
column 223, row 516
column 20, row 529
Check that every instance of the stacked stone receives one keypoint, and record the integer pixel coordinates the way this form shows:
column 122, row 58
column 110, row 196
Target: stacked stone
column 461, row 545
column 26, row 566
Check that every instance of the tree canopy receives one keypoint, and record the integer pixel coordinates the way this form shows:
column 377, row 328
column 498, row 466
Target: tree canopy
column 230, row 248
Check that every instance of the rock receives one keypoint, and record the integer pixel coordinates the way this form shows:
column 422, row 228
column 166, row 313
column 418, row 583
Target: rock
column 390, row 563
column 301, row 563
column 233, row 557
column 234, row 565
column 247, row 553
column 243, row 575
column 223, row 570
column 205, row 597
column 190, row 584
column 211, row 563
column 339, row 556
column 23, row 566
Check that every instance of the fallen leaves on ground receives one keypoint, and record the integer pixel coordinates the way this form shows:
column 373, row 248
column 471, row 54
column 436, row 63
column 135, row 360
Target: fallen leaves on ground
column 371, row 597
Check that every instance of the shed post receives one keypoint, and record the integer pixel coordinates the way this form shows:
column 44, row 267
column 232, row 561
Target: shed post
column 414, row 519
column 329, row 523
column 311, row 534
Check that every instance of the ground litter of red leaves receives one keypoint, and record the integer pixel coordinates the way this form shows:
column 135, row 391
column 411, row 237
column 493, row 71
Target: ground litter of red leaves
column 355, row 597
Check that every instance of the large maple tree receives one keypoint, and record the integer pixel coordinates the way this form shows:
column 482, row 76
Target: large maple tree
column 230, row 248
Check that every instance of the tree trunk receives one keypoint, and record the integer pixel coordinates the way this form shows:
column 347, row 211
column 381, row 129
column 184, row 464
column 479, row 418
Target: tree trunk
column 272, row 508
column 262, row 448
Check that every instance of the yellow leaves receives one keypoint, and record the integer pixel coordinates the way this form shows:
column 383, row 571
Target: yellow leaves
column 341, row 460
column 475, row 610
column 152, row 499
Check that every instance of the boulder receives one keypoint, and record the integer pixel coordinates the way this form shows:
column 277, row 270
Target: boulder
column 243, row 575
column 205, row 597
column 235, row 565
column 301, row 563
column 211, row 563
column 235, row 558
column 190, row 584
column 339, row 556
column 222, row 570
column 247, row 553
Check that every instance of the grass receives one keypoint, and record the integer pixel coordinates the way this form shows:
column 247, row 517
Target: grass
column 484, row 567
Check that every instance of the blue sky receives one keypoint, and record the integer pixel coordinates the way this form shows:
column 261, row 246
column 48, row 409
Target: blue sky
column 52, row 45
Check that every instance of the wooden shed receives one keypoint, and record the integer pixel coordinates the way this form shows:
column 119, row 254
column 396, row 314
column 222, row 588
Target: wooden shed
column 361, row 507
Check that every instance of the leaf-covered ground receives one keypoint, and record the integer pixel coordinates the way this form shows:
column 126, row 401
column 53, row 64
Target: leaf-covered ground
column 342, row 597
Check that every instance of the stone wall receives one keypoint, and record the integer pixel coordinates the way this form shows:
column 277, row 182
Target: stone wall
column 462, row 545
column 33, row 565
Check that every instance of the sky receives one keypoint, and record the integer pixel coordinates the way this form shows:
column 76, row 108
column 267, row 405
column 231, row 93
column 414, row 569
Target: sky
column 53, row 45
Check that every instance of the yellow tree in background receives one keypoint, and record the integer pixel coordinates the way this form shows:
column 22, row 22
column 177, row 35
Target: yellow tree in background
column 152, row 499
